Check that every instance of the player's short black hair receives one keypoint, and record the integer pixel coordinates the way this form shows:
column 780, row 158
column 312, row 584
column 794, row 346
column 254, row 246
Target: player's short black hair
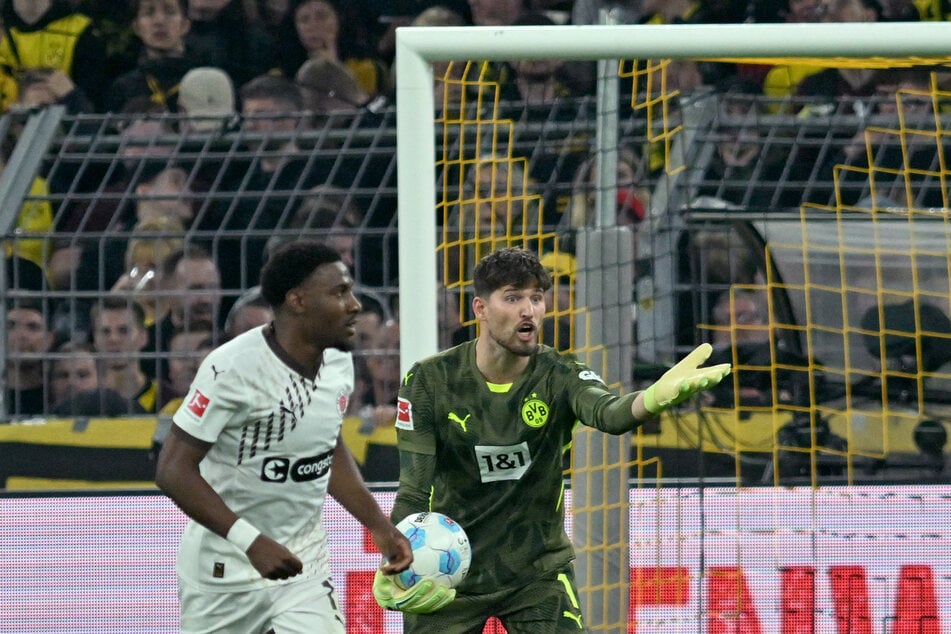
column 510, row 266
column 290, row 265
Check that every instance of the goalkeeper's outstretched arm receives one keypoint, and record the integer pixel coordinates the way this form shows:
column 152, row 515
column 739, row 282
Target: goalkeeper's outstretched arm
column 679, row 383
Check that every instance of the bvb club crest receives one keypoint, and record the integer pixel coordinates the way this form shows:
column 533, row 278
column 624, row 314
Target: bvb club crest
column 535, row 411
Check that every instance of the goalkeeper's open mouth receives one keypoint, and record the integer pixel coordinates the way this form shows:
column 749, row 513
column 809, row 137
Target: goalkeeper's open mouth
column 527, row 331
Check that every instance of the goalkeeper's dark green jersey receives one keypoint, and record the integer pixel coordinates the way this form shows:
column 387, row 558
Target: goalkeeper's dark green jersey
column 499, row 455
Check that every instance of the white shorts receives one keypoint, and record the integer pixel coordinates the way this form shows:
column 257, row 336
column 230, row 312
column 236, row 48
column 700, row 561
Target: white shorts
column 300, row 607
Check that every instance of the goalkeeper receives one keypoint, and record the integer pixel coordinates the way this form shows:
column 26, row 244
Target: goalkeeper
column 483, row 429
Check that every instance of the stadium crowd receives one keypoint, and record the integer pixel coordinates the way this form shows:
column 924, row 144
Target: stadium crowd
column 174, row 67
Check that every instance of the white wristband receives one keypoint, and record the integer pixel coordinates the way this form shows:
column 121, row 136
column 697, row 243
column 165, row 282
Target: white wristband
column 242, row 534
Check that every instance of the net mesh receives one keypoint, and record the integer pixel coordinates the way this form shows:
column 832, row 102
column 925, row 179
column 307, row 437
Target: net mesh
column 818, row 268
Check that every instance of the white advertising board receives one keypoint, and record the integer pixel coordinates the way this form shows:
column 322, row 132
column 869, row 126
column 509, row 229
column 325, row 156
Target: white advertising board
column 862, row 560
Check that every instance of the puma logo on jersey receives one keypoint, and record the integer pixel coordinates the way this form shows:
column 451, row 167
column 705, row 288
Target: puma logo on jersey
column 216, row 371
column 287, row 410
column 454, row 418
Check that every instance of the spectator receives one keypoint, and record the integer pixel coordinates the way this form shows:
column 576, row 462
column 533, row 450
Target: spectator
column 908, row 342
column 542, row 80
column 363, row 165
column 29, row 338
column 206, row 97
column 145, row 141
column 161, row 25
column 249, row 311
column 143, row 259
column 38, row 32
column 498, row 201
column 496, row 12
column 192, row 281
column 897, row 164
column 368, row 321
column 324, row 28
column 113, row 21
column 782, row 80
column 265, row 189
column 382, row 359
column 27, row 257
column 273, row 14
column 159, row 191
column 745, row 169
column 40, row 87
column 447, row 76
column 768, row 370
column 452, row 332
column 385, row 16
column 329, row 87
column 829, row 87
column 119, row 336
column 186, row 351
column 633, row 197
column 75, row 387
column 228, row 34
column 334, row 214
column 190, row 300
column 74, row 370
column 367, row 324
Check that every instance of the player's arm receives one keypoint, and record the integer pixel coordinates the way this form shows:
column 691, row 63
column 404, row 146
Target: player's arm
column 412, row 497
column 179, row 477
column 417, row 473
column 599, row 408
column 348, row 488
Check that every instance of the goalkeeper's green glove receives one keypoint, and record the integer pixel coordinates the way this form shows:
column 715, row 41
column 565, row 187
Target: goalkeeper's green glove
column 422, row 598
column 684, row 380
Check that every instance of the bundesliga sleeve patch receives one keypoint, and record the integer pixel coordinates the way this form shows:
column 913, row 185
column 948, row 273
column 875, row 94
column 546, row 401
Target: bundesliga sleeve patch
column 198, row 403
column 404, row 414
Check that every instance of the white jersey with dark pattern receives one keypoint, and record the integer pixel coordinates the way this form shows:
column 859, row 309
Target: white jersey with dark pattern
column 273, row 433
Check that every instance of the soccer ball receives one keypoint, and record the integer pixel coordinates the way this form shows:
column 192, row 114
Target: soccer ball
column 441, row 550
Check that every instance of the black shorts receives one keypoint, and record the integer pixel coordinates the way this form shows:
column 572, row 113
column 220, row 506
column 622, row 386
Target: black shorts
column 546, row 605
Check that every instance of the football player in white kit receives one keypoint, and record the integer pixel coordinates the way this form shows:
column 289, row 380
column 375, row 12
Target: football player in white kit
column 253, row 451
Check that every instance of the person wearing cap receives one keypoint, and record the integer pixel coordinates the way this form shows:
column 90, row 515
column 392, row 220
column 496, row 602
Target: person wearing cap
column 161, row 26
column 206, row 96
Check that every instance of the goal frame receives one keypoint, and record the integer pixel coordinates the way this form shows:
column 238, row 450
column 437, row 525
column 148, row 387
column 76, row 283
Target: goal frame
column 418, row 47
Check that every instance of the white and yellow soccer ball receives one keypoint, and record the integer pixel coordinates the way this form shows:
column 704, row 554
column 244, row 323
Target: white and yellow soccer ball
column 441, row 550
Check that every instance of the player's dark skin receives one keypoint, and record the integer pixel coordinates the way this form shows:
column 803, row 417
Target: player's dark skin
column 317, row 315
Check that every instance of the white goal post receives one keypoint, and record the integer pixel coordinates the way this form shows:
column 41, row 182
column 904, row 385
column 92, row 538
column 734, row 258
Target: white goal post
column 418, row 47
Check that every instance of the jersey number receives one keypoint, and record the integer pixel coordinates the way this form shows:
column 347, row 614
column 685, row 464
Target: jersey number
column 503, row 463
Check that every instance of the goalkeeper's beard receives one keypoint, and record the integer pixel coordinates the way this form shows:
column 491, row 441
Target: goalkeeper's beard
column 518, row 348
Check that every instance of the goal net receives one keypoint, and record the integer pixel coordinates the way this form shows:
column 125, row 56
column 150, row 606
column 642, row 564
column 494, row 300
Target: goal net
column 806, row 239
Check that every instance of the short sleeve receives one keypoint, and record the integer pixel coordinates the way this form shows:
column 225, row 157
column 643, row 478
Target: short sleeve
column 213, row 400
